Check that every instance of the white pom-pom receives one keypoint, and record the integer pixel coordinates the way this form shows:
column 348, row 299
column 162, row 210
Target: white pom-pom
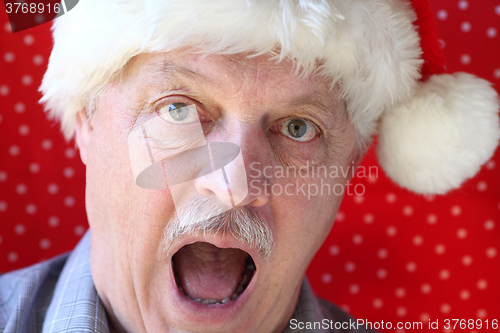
column 443, row 136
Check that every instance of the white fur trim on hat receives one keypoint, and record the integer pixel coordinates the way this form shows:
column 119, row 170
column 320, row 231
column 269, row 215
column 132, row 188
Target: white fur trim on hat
column 443, row 136
column 370, row 47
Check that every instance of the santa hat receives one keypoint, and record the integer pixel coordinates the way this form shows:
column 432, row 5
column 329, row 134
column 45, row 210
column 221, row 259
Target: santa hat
column 435, row 130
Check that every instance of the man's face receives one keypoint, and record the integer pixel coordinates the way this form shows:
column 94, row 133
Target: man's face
column 279, row 122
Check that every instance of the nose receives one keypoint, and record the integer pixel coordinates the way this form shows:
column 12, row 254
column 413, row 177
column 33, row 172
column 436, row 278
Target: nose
column 229, row 180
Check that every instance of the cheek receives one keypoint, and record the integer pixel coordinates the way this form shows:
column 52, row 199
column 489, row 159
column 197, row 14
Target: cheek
column 115, row 203
column 304, row 212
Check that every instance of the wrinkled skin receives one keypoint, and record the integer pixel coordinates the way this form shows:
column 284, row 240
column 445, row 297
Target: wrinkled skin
column 245, row 100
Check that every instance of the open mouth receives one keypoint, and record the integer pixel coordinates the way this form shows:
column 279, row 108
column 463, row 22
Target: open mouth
column 210, row 275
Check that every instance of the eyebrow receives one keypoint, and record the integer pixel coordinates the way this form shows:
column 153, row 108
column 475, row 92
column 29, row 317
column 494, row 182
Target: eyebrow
column 170, row 72
column 326, row 111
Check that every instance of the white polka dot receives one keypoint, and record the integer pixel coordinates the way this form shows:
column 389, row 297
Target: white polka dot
column 432, row 219
column 28, row 39
column 456, row 210
column 411, row 266
column 465, row 26
column 482, row 186
column 491, row 252
column 9, row 57
column 27, row 80
column 19, row 229
column 45, row 243
column 354, row 289
column 79, row 230
column 381, row 273
column 445, row 308
column 359, row 199
column 482, row 284
column 14, row 150
column 53, row 221
column 19, row 107
column 400, row 292
column 326, row 278
column 69, row 153
column 3, row 176
column 345, row 308
column 340, row 216
column 31, row 209
column 3, row 206
column 391, row 231
column 372, row 179
column 53, row 188
column 465, row 59
column 21, row 189
column 463, row 4
column 417, row 240
column 37, row 59
column 357, row 239
column 382, row 253
column 439, row 249
column 34, row 167
column 377, row 303
column 334, row 250
column 461, row 233
column 466, row 260
column 497, row 10
column 69, row 201
column 425, row 288
column 490, row 165
column 401, row 311
column 24, row 130
column 464, row 294
column 39, row 18
column 368, row 218
column 4, row 90
column 424, row 317
column 47, row 144
column 442, row 14
column 350, row 266
column 491, row 32
column 444, row 274
column 442, row 43
column 430, row 197
column 7, row 27
column 481, row 313
column 390, row 197
column 496, row 74
column 68, row 172
column 489, row 225
column 12, row 256
column 407, row 210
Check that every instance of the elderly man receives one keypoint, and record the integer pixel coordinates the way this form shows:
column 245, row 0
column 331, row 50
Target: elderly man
column 210, row 132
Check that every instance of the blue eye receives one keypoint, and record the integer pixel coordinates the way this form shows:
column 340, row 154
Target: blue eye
column 179, row 113
column 298, row 130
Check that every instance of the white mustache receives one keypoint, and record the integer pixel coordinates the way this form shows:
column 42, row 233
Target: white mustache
column 245, row 225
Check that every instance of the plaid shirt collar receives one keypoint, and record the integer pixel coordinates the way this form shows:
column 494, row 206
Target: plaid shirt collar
column 77, row 307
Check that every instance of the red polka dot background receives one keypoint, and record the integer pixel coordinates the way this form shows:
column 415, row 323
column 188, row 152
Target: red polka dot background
column 391, row 256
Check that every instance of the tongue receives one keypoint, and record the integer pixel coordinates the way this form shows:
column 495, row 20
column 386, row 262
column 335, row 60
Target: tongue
column 208, row 272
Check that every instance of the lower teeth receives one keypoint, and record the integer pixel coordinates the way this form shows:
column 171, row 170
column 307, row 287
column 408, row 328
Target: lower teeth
column 247, row 276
